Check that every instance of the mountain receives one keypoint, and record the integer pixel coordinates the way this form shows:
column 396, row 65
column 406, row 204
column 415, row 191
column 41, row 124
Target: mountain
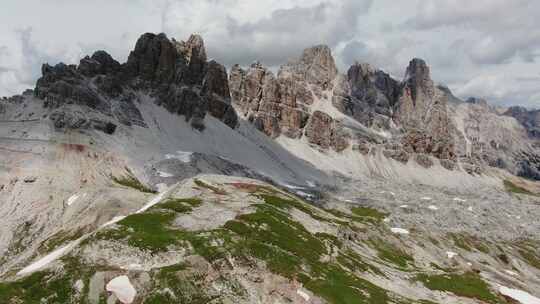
column 167, row 179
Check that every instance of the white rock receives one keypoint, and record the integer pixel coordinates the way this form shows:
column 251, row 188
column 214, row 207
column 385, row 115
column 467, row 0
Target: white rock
column 512, row 273
column 399, row 231
column 164, row 174
column 180, row 155
column 433, row 207
column 122, row 289
column 426, row 198
column 79, row 286
column 451, row 254
column 457, row 199
column 73, row 198
column 303, row 294
column 519, row 295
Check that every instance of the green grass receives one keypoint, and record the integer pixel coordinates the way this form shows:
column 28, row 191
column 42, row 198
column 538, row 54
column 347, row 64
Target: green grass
column 389, row 253
column 179, row 205
column 468, row 242
column 290, row 250
column 131, row 181
column 31, row 289
column 513, row 188
column 529, row 256
column 185, row 286
column 339, row 287
column 48, row 287
column 270, row 235
column 369, row 213
column 353, row 261
column 468, row 285
column 59, row 239
column 146, row 231
column 363, row 215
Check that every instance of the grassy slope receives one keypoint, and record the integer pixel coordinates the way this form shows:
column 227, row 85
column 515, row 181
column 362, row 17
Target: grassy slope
column 269, row 234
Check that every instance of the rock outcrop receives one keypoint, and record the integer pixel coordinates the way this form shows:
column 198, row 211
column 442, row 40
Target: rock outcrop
column 323, row 131
column 409, row 120
column 367, row 95
column 176, row 74
column 422, row 113
column 530, row 119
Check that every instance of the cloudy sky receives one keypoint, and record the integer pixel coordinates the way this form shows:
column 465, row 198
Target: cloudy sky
column 485, row 48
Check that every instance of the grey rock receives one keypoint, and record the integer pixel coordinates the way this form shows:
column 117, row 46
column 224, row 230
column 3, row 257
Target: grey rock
column 176, row 74
column 530, row 119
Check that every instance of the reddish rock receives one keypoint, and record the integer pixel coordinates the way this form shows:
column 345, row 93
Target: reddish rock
column 326, row 133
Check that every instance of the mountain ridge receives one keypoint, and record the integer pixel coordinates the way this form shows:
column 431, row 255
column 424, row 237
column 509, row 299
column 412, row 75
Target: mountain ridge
column 167, row 180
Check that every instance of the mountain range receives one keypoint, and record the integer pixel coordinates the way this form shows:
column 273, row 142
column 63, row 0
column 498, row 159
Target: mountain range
column 168, row 179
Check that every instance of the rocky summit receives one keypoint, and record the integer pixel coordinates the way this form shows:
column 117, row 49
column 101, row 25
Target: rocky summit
column 172, row 179
column 176, row 74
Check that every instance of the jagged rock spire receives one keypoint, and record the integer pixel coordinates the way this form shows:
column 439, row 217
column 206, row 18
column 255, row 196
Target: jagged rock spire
column 176, row 74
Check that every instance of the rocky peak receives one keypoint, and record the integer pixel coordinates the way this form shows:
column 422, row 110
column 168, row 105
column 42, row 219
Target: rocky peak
column 193, row 48
column 418, row 79
column 449, row 95
column 153, row 59
column 316, row 66
column 530, row 119
column 193, row 52
column 176, row 74
column 477, row 101
column 321, row 67
column 423, row 114
column 366, row 80
column 100, row 63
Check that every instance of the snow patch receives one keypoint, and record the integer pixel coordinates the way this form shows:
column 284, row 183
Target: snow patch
column 451, row 254
column 122, row 289
column 470, row 208
column 153, row 201
column 519, row 295
column 44, row 261
column 457, row 199
column 183, row 156
column 433, row 207
column 79, row 286
column 72, row 199
column 303, row 294
column 164, row 174
column 114, row 220
column 56, row 254
column 399, row 231
column 512, row 273
column 404, row 206
column 426, row 198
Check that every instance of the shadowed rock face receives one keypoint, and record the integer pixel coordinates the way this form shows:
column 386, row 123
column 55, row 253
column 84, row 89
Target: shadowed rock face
column 530, row 119
column 176, row 74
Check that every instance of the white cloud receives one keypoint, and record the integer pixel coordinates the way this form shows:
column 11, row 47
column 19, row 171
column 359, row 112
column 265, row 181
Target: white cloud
column 272, row 35
column 481, row 48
